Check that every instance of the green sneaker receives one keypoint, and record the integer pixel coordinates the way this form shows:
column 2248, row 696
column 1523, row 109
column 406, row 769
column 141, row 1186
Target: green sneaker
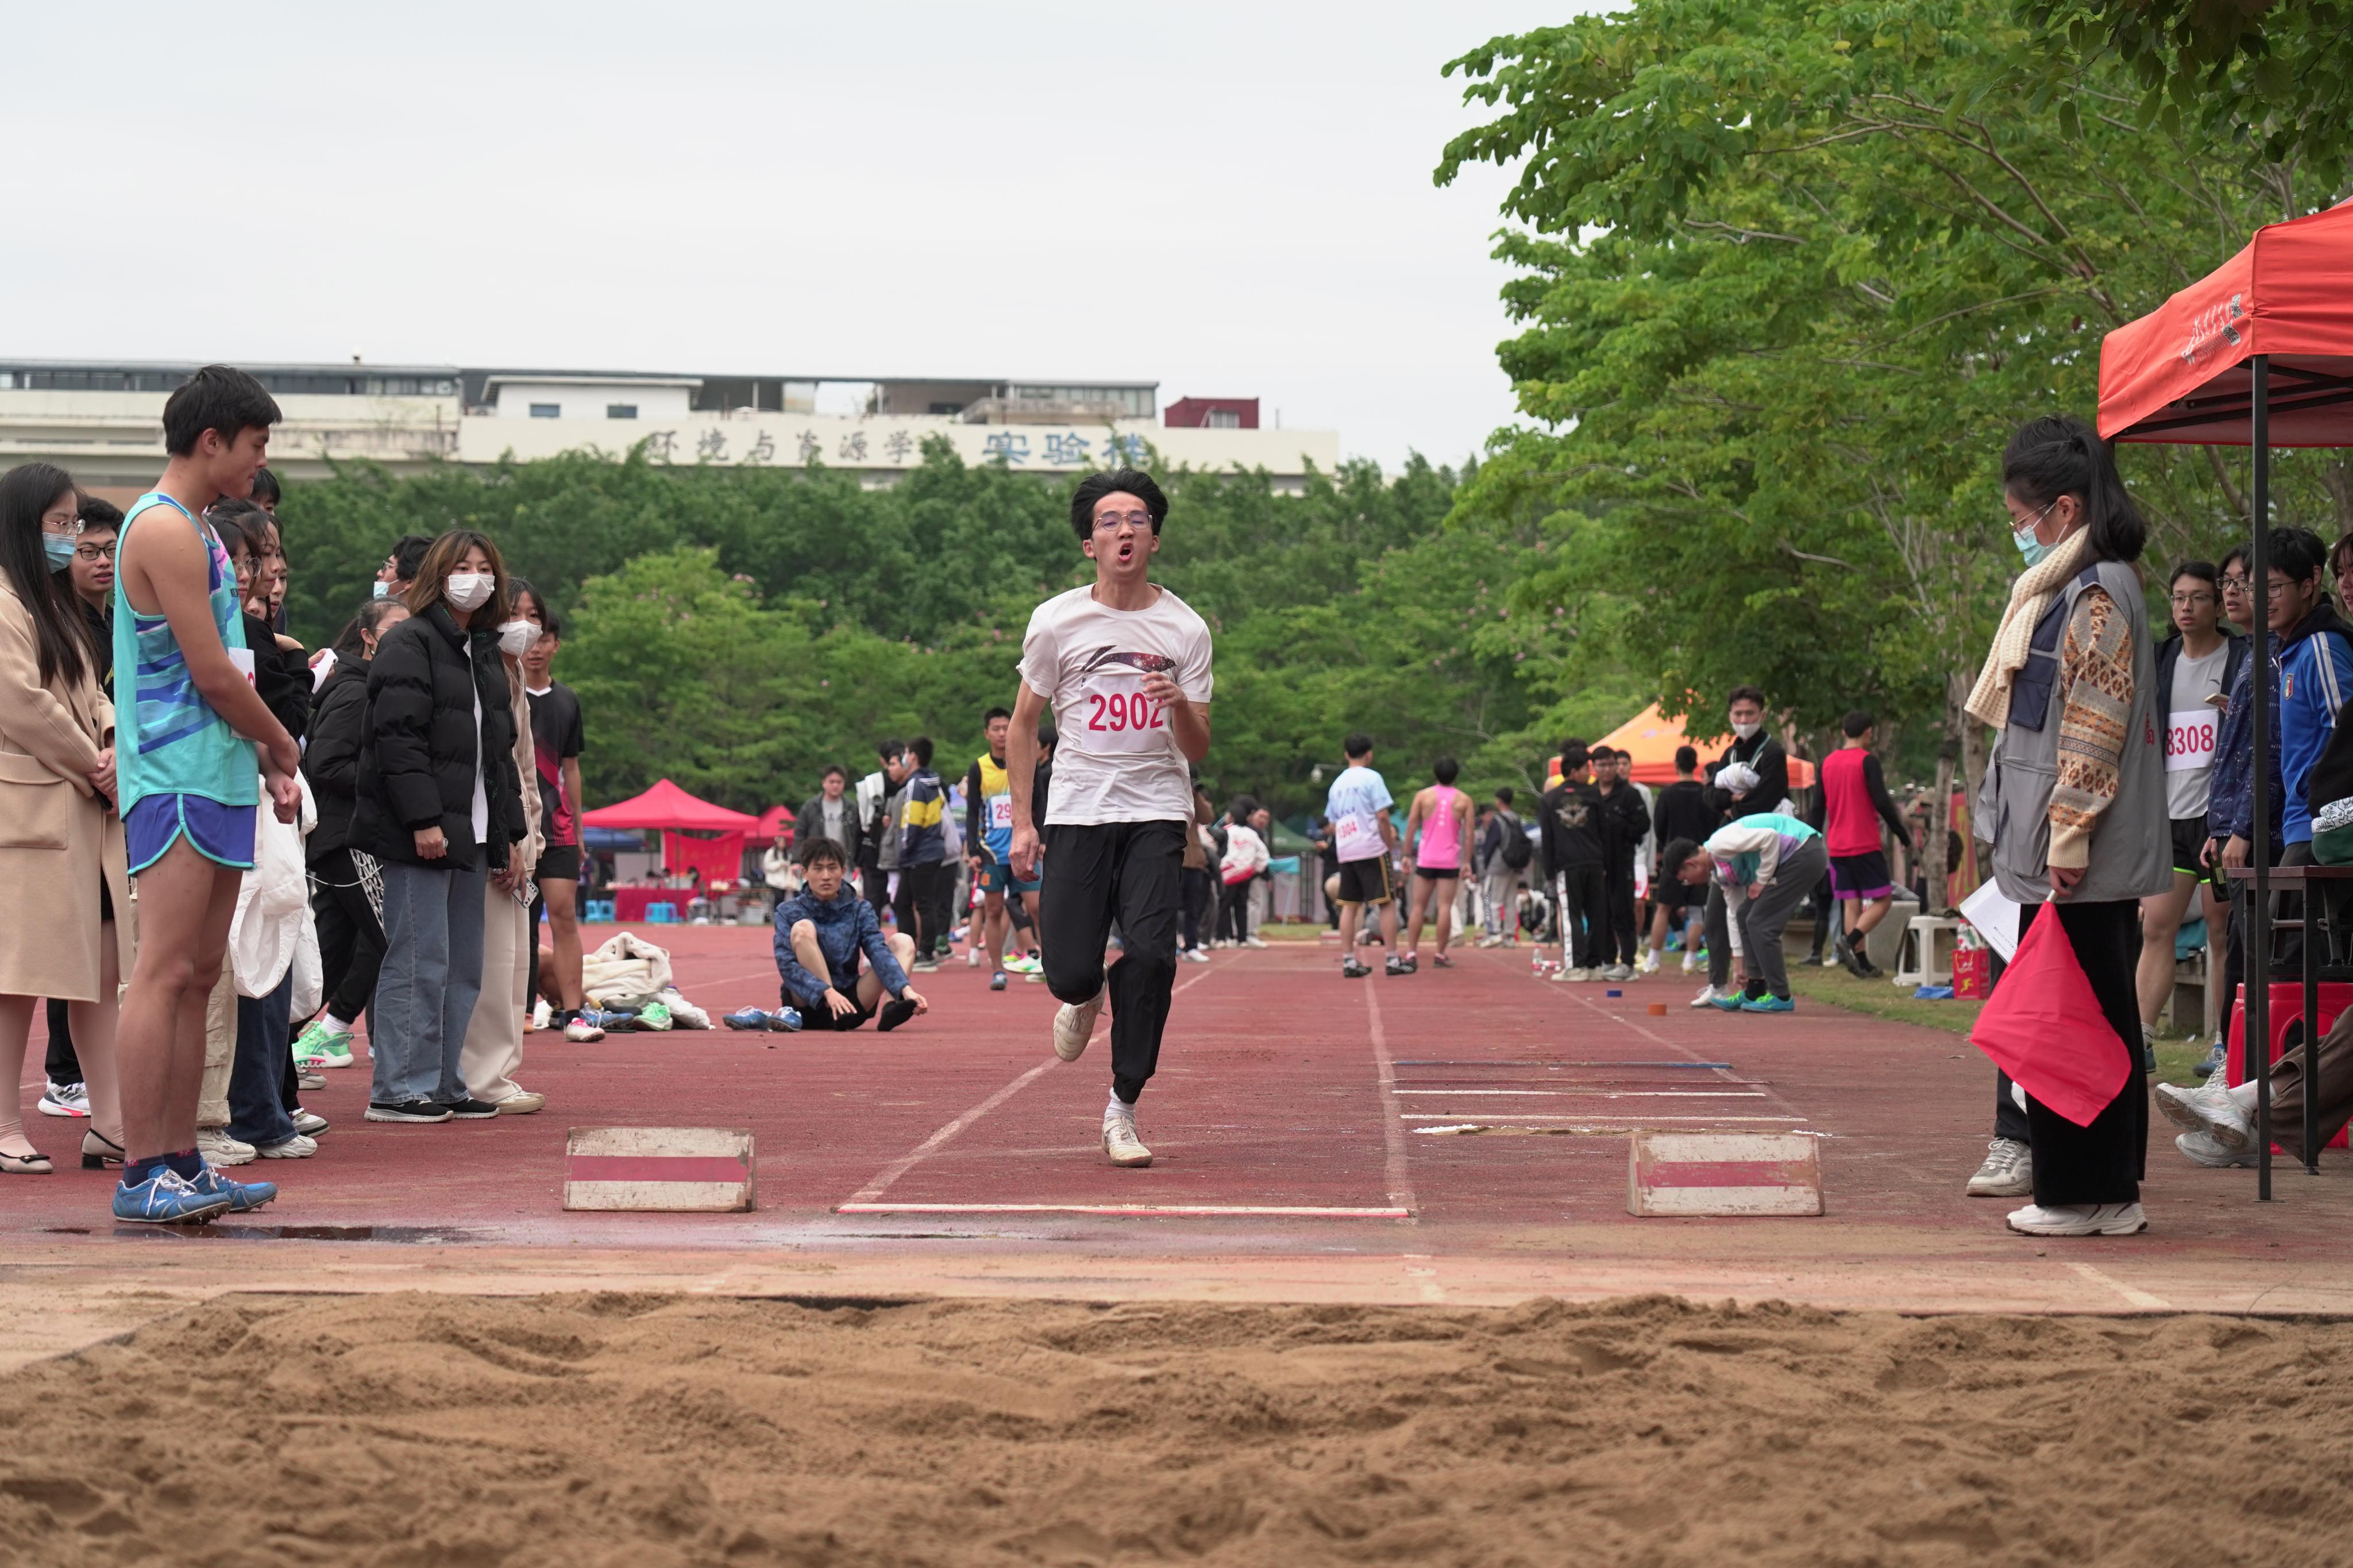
column 653, row 1016
column 318, row 1046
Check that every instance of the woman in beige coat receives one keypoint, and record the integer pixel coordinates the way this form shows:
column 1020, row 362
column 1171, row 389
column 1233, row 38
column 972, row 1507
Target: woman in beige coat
column 61, row 859
column 493, row 1050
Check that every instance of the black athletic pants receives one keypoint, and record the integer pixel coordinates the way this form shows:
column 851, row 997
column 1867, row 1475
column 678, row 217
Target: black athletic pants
column 2104, row 1163
column 1585, row 914
column 1198, row 891
column 875, row 883
column 1233, row 911
column 351, row 942
column 928, row 892
column 1619, row 893
column 1130, row 874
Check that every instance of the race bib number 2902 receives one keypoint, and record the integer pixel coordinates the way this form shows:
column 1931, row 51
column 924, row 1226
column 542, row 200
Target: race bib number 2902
column 1116, row 716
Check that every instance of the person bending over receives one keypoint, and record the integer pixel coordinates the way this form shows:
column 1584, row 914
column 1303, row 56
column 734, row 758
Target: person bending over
column 822, row 933
column 1766, row 865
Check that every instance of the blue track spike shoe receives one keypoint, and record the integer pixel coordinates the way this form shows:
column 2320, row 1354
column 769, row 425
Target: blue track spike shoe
column 244, row 1197
column 168, row 1198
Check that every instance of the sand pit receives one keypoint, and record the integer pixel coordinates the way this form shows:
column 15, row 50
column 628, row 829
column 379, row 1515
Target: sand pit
column 657, row 1430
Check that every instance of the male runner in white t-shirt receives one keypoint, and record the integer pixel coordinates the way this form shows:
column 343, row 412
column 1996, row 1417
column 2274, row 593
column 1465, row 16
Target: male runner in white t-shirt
column 1124, row 664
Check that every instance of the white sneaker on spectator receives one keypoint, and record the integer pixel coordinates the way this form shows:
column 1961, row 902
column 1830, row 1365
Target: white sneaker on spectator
column 2079, row 1219
column 1709, row 995
column 1572, row 974
column 299, row 1147
column 1120, row 1142
column 64, row 1099
column 2008, row 1171
column 1253, row 942
column 581, row 1031
column 1616, row 972
column 219, row 1148
column 1691, row 964
column 2200, row 1149
column 308, row 1123
column 2213, row 1112
column 1650, row 964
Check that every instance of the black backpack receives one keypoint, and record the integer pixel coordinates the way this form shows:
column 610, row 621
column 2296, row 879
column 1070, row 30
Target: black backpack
column 1515, row 849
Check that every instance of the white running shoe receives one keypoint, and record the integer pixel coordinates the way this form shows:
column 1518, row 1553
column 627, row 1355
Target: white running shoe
column 299, row 1147
column 219, row 1148
column 64, row 1099
column 2008, row 1171
column 1691, row 964
column 1120, row 1142
column 2202, row 1148
column 2079, row 1219
column 1253, row 942
column 580, row 1031
column 1571, row 974
column 2209, row 1111
column 1650, row 964
column 1194, row 955
column 1709, row 995
column 1075, row 1024
column 541, row 1013
column 972, row 957
column 1616, row 972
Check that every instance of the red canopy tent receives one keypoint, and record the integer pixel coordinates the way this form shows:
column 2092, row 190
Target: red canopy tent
column 2257, row 354
column 676, row 813
column 774, row 817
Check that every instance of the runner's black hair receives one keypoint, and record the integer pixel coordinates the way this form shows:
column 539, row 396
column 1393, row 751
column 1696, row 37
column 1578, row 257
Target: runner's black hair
column 61, row 643
column 1572, row 759
column 993, row 715
column 1855, row 723
column 1686, row 759
column 1677, row 855
column 96, row 512
column 1357, row 744
column 1503, row 795
column 216, row 398
column 822, row 848
column 266, row 493
column 1444, row 769
column 1118, row 481
column 2059, row 455
column 889, row 751
column 921, row 748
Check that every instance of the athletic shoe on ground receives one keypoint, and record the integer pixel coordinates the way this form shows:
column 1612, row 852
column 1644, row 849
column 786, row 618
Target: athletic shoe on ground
column 1768, row 1005
column 1352, row 970
column 785, row 1021
column 298, row 1147
column 1394, row 965
column 1691, row 964
column 168, row 1198
column 1194, row 955
column 406, row 1110
column 1709, row 997
column 1617, row 971
column 244, row 1197
column 1853, row 962
column 972, row 957
column 541, row 1014
column 1408, row 964
column 1074, row 1025
column 924, row 966
column 1253, row 942
column 1729, row 1001
column 2079, row 1219
column 1650, row 964
column 2210, row 1111
column 2200, row 1149
column 310, row 1123
column 1120, row 1142
column 1561, row 976
column 2216, row 1060
column 580, row 1031
column 217, row 1147
column 746, row 1018
column 892, row 1014
column 1811, row 960
column 2008, row 1171
column 654, row 1015
column 65, row 1099
column 1491, row 941
column 996, row 981
column 522, row 1104
column 318, row 1046
column 471, row 1110
column 307, row 1082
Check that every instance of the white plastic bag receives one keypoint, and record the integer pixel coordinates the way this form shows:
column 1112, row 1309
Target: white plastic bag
column 273, row 901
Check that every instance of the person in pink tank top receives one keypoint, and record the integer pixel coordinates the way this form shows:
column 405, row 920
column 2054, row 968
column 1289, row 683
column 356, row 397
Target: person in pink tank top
column 1439, row 830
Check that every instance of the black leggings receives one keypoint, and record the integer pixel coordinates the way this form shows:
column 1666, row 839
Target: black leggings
column 351, row 940
column 1233, row 911
column 1199, row 890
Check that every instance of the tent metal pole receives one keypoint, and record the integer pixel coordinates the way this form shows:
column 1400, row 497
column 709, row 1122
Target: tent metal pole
column 2257, row 1036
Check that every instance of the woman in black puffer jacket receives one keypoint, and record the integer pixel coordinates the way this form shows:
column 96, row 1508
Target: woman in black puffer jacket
column 440, row 803
column 351, row 939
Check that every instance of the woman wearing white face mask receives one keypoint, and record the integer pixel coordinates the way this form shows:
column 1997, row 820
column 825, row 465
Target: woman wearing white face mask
column 439, row 803
column 493, row 1047
column 2074, row 791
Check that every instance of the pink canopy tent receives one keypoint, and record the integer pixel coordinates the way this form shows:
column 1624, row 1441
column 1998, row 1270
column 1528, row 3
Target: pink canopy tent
column 676, row 813
column 2257, row 354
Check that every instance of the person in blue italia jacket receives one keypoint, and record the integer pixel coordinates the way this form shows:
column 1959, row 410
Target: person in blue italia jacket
column 822, row 933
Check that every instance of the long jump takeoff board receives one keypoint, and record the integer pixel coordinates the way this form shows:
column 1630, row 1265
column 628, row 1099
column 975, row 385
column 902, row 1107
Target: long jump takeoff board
column 1722, row 1174
column 672, row 1170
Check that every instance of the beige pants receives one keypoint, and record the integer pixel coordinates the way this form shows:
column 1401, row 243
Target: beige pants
column 220, row 1049
column 493, row 1050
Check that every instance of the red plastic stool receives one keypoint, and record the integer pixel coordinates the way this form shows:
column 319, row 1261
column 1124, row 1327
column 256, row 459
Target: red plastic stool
column 2286, row 1028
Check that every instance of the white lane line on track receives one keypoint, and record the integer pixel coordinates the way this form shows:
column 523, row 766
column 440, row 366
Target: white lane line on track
column 1141, row 1211
column 1588, row 1118
column 947, row 1134
column 2137, row 1298
column 1598, row 1093
column 1658, row 1040
column 1393, row 1152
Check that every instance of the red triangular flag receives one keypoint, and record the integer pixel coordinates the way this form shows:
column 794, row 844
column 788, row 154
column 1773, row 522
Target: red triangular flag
column 2045, row 1026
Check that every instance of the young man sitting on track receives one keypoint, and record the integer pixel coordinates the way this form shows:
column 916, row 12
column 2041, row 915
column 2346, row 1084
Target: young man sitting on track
column 821, row 934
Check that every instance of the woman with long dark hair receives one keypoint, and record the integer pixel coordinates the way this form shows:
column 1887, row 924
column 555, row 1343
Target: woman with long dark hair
column 61, row 851
column 437, row 805
column 2076, row 793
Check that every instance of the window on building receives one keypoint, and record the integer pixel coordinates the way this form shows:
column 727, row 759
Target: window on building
column 547, row 411
column 1225, row 419
column 620, row 411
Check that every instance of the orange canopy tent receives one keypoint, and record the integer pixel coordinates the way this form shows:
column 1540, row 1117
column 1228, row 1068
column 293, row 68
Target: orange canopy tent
column 1650, row 738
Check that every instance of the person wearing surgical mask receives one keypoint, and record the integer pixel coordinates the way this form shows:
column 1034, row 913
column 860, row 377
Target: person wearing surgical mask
column 439, row 803
column 493, row 1052
column 1751, row 776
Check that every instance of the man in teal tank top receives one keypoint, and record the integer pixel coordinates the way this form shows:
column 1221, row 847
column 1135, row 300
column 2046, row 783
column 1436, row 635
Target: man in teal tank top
column 194, row 746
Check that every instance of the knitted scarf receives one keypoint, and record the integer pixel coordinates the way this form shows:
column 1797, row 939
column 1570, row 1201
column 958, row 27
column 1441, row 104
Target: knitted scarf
column 2030, row 596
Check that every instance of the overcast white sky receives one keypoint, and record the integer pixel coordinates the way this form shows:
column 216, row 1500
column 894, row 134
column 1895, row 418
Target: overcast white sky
column 1231, row 198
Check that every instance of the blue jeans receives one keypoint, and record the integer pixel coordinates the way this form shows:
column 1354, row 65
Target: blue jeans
column 426, row 990
column 256, row 1111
